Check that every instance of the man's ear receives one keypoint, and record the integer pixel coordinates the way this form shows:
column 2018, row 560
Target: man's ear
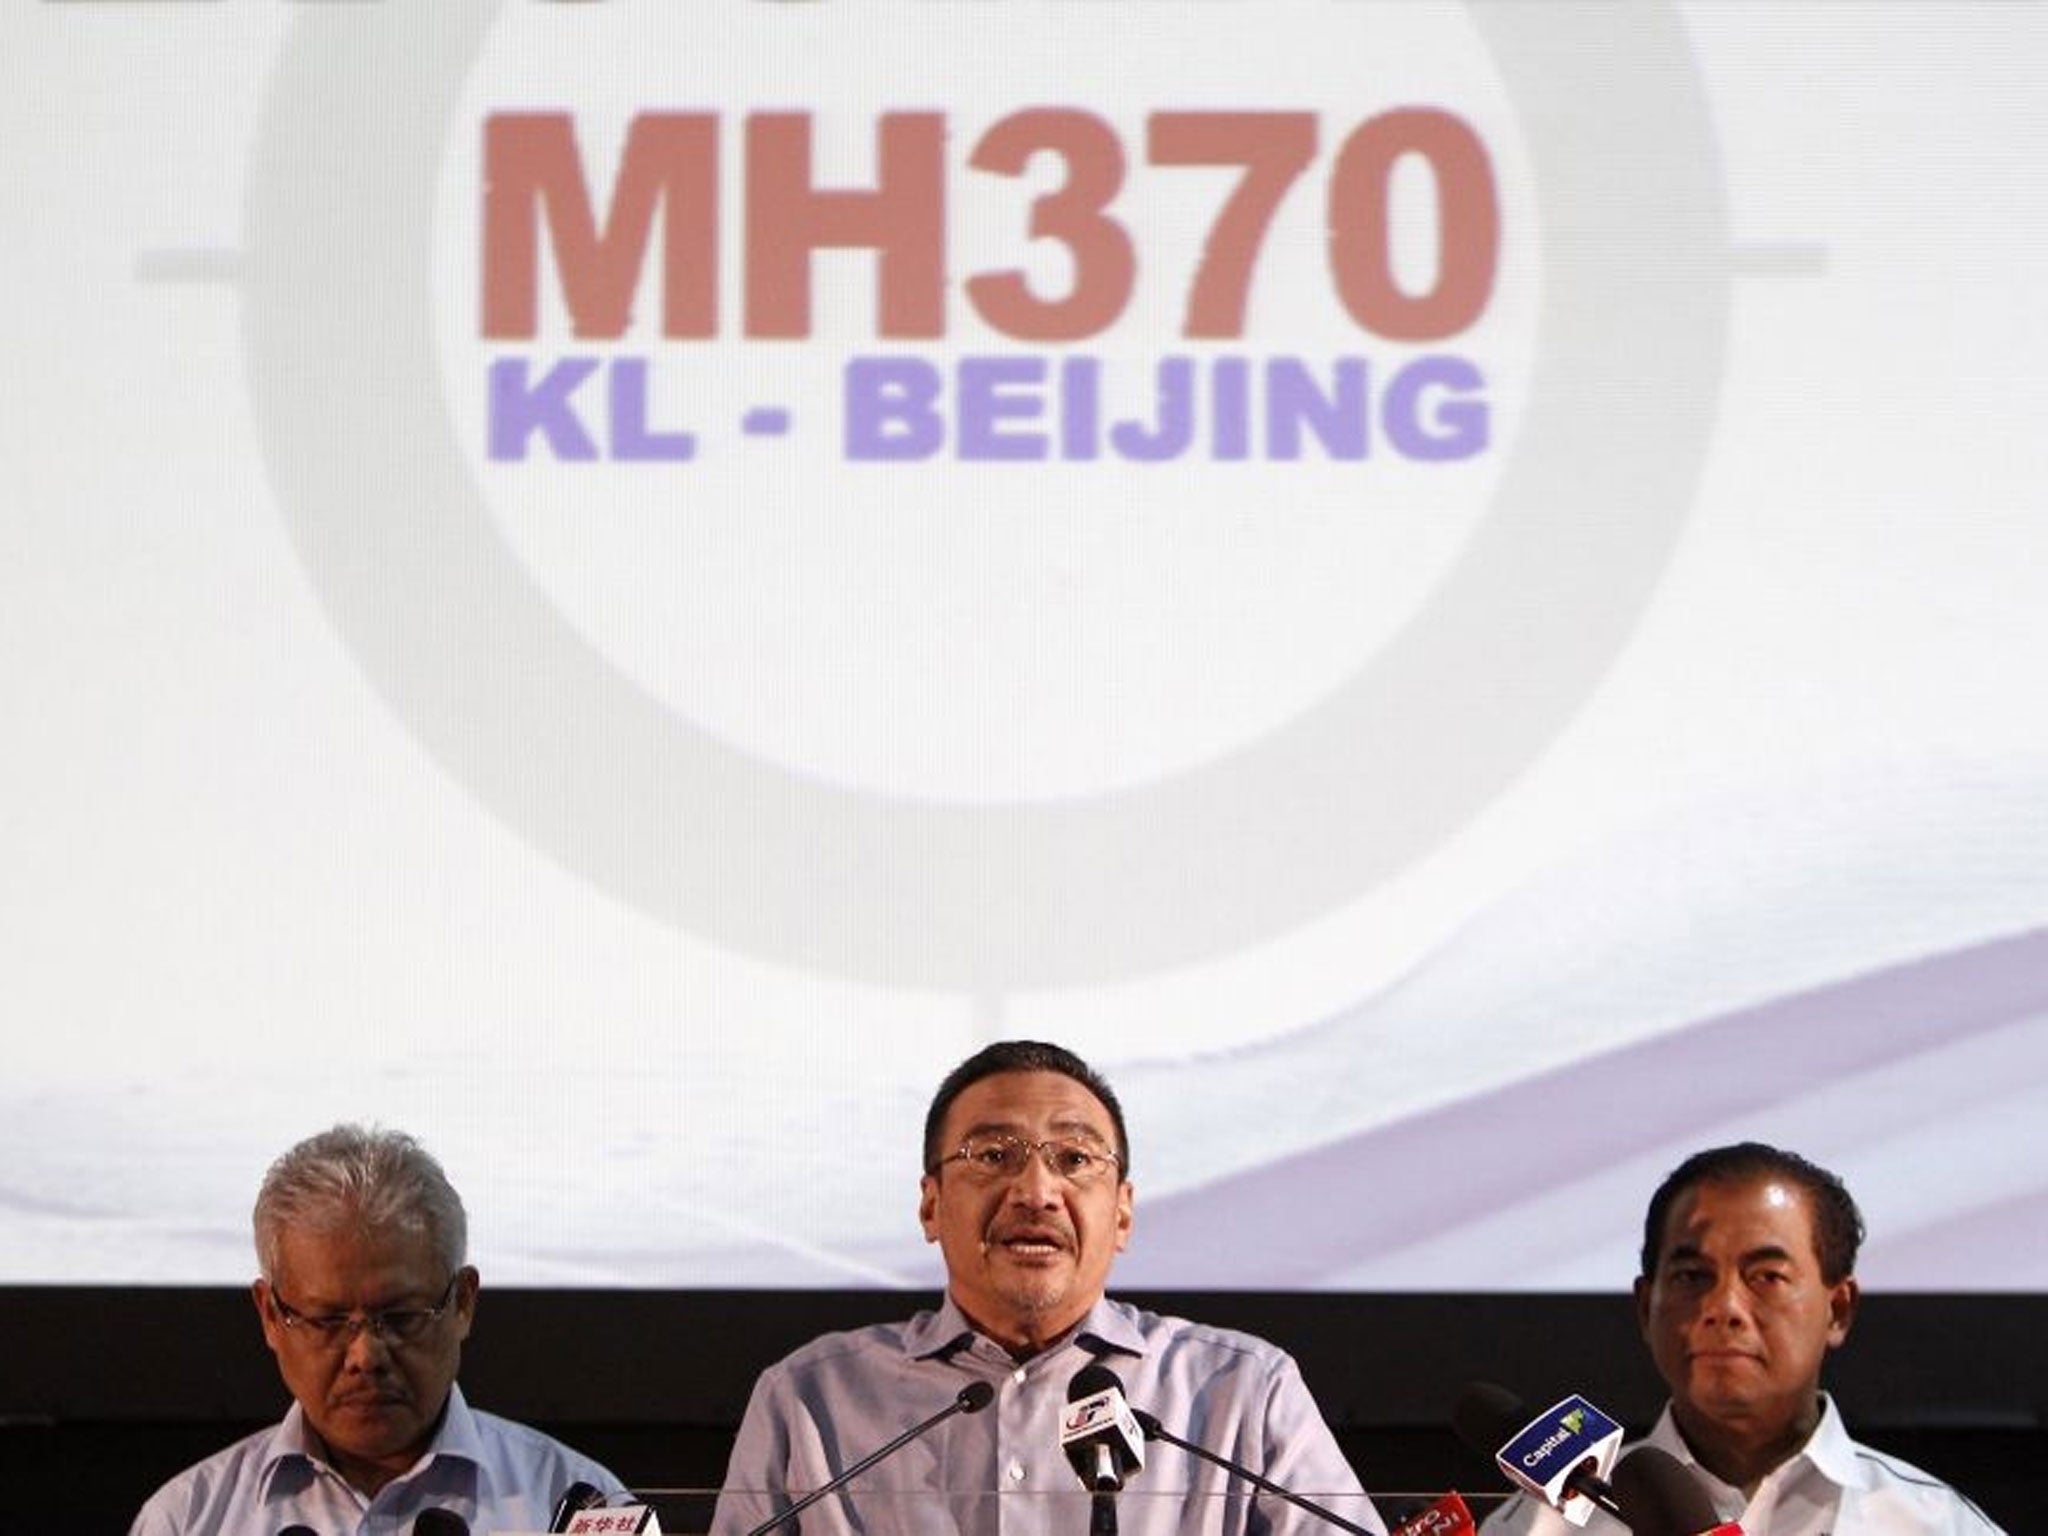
column 1643, row 1306
column 466, row 1285
column 928, row 1206
column 1844, row 1296
column 259, row 1292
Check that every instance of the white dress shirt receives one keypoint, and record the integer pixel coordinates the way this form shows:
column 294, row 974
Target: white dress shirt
column 1832, row 1487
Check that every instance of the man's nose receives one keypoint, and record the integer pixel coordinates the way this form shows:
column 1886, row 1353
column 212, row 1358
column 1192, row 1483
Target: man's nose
column 1727, row 1302
column 367, row 1349
column 1036, row 1183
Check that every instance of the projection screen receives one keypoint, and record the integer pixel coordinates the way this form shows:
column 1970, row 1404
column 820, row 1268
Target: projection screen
column 1455, row 594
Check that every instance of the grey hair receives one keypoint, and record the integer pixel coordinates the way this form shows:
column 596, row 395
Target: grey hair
column 361, row 1178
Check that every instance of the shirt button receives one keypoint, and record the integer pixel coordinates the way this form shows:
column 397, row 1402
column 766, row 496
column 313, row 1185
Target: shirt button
column 1018, row 1376
column 1015, row 1471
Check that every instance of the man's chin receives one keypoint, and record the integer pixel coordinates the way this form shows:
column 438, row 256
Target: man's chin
column 372, row 1430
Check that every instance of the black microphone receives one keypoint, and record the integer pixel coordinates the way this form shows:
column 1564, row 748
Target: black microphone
column 297, row 1530
column 1557, row 1455
column 575, row 1498
column 1099, row 1435
column 1660, row 1498
column 972, row 1398
column 1154, row 1430
column 439, row 1522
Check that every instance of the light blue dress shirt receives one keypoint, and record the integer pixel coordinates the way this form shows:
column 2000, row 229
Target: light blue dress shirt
column 495, row 1474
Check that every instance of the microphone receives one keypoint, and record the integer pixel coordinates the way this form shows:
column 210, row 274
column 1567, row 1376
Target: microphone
column 575, row 1497
column 1562, row 1456
column 1099, row 1434
column 439, row 1522
column 600, row 1519
column 297, row 1530
column 972, row 1398
column 614, row 1520
column 1448, row 1516
column 1660, row 1498
column 1154, row 1430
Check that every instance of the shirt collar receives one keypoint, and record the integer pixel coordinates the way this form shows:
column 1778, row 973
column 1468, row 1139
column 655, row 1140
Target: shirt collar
column 1828, row 1450
column 292, row 1446
column 1108, row 1327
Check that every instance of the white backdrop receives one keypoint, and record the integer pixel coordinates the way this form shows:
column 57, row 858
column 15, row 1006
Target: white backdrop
column 1571, row 694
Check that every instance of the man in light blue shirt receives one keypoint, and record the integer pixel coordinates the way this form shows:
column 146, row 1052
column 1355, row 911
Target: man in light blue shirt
column 1027, row 1195
column 365, row 1299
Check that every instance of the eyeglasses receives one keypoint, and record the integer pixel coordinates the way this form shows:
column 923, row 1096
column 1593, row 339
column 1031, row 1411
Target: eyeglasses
column 395, row 1326
column 1077, row 1159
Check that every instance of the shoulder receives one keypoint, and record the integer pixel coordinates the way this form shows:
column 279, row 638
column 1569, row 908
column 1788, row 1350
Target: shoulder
column 858, row 1347
column 203, row 1498
column 534, row 1458
column 1226, row 1346
column 1896, row 1482
column 843, row 1372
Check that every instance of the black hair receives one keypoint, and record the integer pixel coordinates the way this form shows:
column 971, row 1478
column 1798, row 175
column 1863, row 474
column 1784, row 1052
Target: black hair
column 1020, row 1056
column 1837, row 1224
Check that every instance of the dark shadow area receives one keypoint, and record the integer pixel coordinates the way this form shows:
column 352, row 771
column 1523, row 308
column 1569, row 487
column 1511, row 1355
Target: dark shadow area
column 106, row 1392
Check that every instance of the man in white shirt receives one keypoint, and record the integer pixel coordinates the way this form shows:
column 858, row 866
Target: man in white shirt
column 1748, row 1281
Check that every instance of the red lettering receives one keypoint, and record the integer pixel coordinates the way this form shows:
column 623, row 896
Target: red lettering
column 903, row 220
column 1274, row 148
column 1105, row 266
column 531, row 166
column 1468, row 225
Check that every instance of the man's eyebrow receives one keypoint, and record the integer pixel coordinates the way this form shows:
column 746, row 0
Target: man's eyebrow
column 991, row 1128
column 1769, row 1253
column 1077, row 1126
column 1063, row 1127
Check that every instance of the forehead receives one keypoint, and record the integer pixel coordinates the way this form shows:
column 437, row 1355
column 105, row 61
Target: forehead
column 348, row 1262
column 1741, row 1215
column 1026, row 1101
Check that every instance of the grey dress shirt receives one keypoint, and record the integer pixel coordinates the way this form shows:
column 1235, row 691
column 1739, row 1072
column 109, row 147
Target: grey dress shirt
column 1000, row 1472
column 495, row 1474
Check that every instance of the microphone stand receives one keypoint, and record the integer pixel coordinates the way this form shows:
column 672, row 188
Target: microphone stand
column 1154, row 1430
column 1102, row 1502
column 973, row 1398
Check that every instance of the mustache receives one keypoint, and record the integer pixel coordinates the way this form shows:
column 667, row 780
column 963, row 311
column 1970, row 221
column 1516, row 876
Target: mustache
column 1036, row 1229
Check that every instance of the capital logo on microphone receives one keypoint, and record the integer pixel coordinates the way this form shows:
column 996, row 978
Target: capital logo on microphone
column 1559, row 1438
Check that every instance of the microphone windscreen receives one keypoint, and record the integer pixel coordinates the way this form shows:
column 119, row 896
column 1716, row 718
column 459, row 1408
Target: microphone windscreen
column 1486, row 1417
column 575, row 1497
column 439, row 1522
column 1658, row 1497
column 1092, row 1378
column 975, row 1396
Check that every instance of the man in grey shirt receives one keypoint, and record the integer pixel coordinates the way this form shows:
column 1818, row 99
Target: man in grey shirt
column 1026, row 1190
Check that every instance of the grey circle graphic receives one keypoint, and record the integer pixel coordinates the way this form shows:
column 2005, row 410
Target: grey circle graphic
column 581, row 761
